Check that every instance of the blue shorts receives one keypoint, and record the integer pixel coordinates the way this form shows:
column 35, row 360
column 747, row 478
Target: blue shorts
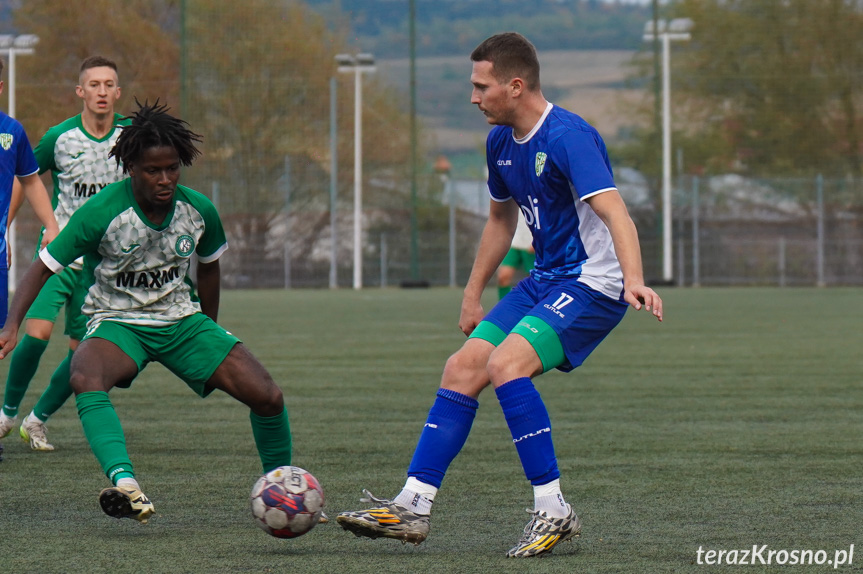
column 580, row 316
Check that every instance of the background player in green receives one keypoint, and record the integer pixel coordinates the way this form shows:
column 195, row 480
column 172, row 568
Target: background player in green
column 17, row 162
column 519, row 258
column 137, row 237
column 76, row 152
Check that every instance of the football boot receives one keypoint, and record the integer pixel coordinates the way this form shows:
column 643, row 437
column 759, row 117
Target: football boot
column 33, row 431
column 124, row 502
column 544, row 532
column 387, row 519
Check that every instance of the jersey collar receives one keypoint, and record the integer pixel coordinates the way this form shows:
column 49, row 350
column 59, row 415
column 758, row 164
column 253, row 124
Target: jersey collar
column 531, row 133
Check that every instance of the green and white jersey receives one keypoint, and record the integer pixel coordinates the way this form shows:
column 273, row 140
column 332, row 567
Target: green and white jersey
column 139, row 270
column 79, row 164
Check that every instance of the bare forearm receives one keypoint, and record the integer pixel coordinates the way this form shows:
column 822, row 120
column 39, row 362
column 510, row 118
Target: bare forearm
column 493, row 246
column 25, row 293
column 492, row 249
column 38, row 198
column 16, row 200
column 626, row 245
column 611, row 209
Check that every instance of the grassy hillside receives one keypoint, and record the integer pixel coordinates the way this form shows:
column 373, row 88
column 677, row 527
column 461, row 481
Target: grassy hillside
column 589, row 82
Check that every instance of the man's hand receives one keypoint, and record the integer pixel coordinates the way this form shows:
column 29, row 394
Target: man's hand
column 49, row 235
column 8, row 340
column 642, row 296
column 471, row 315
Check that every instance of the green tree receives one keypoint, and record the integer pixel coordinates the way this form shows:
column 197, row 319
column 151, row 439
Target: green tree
column 137, row 34
column 257, row 87
column 767, row 87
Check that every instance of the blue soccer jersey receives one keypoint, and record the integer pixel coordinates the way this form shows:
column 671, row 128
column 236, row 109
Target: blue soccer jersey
column 16, row 159
column 549, row 173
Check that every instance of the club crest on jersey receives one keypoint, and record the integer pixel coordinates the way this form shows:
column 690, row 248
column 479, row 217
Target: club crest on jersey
column 540, row 162
column 6, row 141
column 185, row 245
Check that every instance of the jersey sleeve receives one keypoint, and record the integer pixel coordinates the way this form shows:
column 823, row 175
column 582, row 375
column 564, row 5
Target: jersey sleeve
column 584, row 161
column 496, row 187
column 45, row 150
column 81, row 235
column 213, row 241
column 25, row 162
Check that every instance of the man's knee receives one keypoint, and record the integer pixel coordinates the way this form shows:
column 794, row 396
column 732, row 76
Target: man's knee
column 242, row 375
column 79, row 382
column 465, row 372
column 514, row 358
column 39, row 328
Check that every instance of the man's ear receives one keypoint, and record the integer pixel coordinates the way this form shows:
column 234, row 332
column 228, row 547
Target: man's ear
column 516, row 87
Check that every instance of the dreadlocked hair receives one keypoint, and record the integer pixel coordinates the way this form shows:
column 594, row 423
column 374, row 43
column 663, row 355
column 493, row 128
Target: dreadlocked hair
column 152, row 126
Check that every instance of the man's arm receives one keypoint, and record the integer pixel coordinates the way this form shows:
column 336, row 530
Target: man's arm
column 25, row 293
column 209, row 288
column 16, row 200
column 493, row 245
column 36, row 194
column 612, row 211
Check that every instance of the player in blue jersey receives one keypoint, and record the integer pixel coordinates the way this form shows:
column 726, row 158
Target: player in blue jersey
column 553, row 167
column 17, row 160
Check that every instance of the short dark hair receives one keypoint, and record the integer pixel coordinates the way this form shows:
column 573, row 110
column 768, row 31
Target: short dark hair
column 98, row 62
column 1, row 67
column 152, row 126
column 512, row 56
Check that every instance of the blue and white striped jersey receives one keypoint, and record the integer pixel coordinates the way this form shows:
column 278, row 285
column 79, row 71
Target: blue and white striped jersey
column 549, row 173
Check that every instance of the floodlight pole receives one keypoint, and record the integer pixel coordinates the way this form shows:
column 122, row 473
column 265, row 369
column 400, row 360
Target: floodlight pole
column 334, row 182
column 357, row 64
column 674, row 30
column 14, row 45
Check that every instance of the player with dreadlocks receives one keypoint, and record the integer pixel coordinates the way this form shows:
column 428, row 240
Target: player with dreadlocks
column 137, row 237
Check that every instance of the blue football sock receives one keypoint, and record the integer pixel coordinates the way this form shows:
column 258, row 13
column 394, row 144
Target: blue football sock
column 443, row 436
column 528, row 421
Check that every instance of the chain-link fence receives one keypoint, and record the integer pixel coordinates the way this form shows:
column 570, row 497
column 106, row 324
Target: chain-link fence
column 730, row 230
column 727, row 231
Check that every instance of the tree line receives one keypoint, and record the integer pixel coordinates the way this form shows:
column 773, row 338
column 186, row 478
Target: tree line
column 764, row 87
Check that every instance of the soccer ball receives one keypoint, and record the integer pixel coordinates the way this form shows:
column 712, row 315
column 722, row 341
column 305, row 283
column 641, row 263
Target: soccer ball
column 287, row 502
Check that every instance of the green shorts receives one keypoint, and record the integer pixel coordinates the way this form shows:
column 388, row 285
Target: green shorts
column 67, row 289
column 192, row 348
column 538, row 333
column 519, row 259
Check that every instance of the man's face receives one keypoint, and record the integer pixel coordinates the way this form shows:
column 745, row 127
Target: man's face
column 491, row 97
column 99, row 89
column 154, row 177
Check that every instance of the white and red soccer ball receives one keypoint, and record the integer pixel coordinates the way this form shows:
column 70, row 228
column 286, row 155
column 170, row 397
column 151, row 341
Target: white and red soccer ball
column 287, row 502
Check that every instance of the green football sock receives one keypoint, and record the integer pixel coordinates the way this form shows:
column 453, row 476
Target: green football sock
column 22, row 367
column 105, row 434
column 273, row 439
column 57, row 392
column 502, row 291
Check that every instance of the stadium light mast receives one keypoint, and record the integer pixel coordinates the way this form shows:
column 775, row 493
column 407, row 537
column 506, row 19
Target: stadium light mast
column 676, row 29
column 357, row 64
column 13, row 46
